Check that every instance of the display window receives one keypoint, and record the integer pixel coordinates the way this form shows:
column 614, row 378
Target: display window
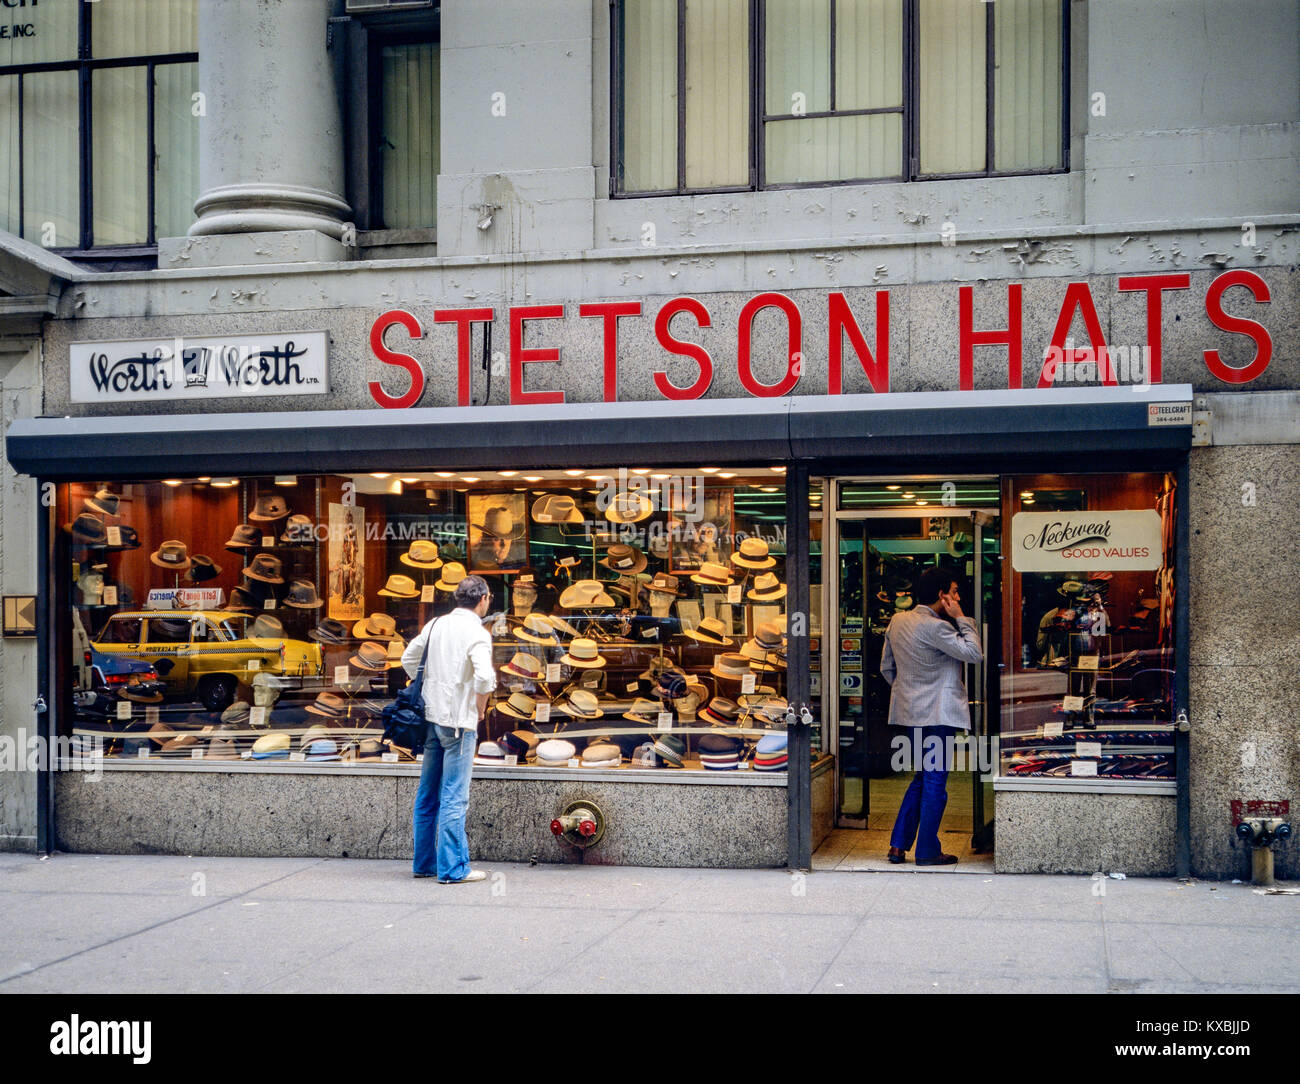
column 1089, row 575
column 638, row 617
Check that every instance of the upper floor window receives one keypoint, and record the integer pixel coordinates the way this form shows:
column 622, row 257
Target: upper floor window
column 721, row 95
column 99, row 114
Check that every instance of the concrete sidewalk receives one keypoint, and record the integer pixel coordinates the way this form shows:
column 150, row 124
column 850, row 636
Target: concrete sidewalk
column 94, row 923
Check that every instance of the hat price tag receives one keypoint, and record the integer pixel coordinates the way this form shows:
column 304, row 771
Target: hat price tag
column 268, row 540
column 574, row 762
column 1053, row 730
column 512, row 759
column 428, row 593
column 552, row 671
column 298, row 756
column 733, row 593
column 633, row 686
column 1083, row 767
column 543, row 713
column 388, row 758
column 269, row 604
column 257, row 715
column 1088, row 662
column 110, row 595
column 1088, row 748
column 665, row 720
column 151, row 715
column 255, row 664
column 1072, row 703
column 124, row 709
column 340, row 675
column 114, row 535
column 142, row 753
column 749, row 683
column 196, row 754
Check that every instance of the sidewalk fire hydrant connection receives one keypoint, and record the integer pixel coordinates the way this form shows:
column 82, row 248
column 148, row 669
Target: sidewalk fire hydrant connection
column 1261, row 833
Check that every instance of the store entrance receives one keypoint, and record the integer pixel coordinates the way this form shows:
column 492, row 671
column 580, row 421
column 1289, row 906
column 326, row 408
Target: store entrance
column 886, row 534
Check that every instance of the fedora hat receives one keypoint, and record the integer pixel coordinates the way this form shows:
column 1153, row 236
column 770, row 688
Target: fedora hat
column 323, row 748
column 556, row 508
column 236, row 716
column 299, row 528
column 519, row 743
column 371, row 656
column 761, row 659
column 421, row 554
column 244, row 537
column 583, row 704
column 489, row 752
column 265, row 568
column 327, row 631
column 628, row 508
column 585, row 595
column 712, row 575
column 524, row 666
column 730, row 666
column 627, row 560
column 399, row 586
column 269, row 508
column 202, row 569
column 315, row 732
column 664, row 583
column 768, row 636
column 767, row 588
column 88, row 528
column 302, row 596
column 643, row 711
column 671, row 749
column 274, row 744
column 582, row 653
column 104, row 500
column 518, row 706
column 536, row 629
column 671, row 685
column 265, row 627
column 375, row 627
column 711, row 631
column 498, row 522
column 179, row 742
column 330, row 705
column 242, row 601
column 171, row 554
column 602, row 754
column 721, row 711
column 138, row 691
column 753, row 554
column 221, row 747
column 452, row 573
column 562, row 626
column 555, row 751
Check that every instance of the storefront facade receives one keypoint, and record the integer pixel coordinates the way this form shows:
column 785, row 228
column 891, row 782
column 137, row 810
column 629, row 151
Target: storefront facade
column 700, row 474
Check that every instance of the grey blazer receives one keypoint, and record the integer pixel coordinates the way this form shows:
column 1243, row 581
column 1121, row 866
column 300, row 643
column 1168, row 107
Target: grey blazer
column 922, row 661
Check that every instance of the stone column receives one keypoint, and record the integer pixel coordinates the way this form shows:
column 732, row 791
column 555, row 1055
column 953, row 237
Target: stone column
column 271, row 140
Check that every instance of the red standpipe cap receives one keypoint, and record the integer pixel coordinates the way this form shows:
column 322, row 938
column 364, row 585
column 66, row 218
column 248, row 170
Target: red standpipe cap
column 557, row 827
column 587, row 828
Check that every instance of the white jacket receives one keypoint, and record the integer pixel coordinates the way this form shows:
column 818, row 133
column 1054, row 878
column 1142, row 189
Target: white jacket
column 459, row 668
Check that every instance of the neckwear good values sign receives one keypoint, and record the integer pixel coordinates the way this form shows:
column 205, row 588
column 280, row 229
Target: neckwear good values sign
column 213, row 367
column 1121, row 541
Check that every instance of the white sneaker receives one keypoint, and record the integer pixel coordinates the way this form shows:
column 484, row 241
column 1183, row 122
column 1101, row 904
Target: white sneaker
column 472, row 875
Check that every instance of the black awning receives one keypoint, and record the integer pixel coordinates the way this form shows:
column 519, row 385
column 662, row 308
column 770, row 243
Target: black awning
column 597, row 434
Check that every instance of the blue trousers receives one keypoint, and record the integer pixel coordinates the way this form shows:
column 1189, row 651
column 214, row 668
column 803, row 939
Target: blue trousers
column 927, row 796
column 441, row 846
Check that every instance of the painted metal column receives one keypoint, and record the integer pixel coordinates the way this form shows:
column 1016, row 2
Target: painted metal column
column 1182, row 680
column 46, row 601
column 270, row 136
column 799, row 753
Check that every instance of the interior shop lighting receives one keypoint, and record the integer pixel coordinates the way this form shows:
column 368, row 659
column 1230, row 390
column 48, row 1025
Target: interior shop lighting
column 286, row 479
column 893, row 487
column 171, row 481
column 710, row 470
column 727, row 474
column 532, row 477
column 225, row 483
column 507, row 473
column 778, row 470
column 469, row 478
column 408, row 481
column 573, row 473
column 381, row 475
column 908, row 496
column 1026, row 494
column 661, row 476
column 204, row 478
column 922, row 502
column 444, row 474
column 769, row 489
column 640, row 470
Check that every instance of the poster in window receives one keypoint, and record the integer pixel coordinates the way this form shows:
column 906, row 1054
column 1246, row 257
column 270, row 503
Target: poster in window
column 347, row 567
column 704, row 538
column 498, row 532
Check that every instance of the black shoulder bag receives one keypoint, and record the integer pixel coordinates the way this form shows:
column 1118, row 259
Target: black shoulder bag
column 404, row 721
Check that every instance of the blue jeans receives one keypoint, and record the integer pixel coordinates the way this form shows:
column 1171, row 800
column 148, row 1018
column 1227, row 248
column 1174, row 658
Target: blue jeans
column 441, row 847
column 923, row 804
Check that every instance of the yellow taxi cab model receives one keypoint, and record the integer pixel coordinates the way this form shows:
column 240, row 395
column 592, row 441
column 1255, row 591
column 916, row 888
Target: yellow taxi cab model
column 207, row 653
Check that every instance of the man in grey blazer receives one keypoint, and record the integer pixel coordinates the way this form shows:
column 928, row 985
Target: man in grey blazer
column 922, row 660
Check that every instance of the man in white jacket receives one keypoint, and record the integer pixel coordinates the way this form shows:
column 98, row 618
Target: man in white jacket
column 458, row 679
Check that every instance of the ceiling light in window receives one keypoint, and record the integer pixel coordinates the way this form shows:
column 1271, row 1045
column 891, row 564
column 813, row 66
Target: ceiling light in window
column 171, row 481
column 507, row 473
column 778, row 470
column 225, row 483
column 893, row 487
column 908, row 496
column 381, row 475
column 769, row 489
column 1026, row 494
column 286, row 479
column 409, row 481
column 444, row 474
column 710, row 470
column 532, row 477
column 922, row 502
column 727, row 474
column 573, row 473
column 640, row 470
column 204, row 478
column 469, row 478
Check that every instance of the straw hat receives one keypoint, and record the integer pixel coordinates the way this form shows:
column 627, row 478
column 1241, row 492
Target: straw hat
column 730, row 666
column 519, row 706
column 371, row 656
column 585, row 595
column 452, row 573
column 421, row 554
column 753, row 554
column 375, row 627
column 602, row 754
column 536, row 629
column 399, row 586
column 330, row 705
column 711, row 631
column 712, row 575
column 643, row 711
column 556, row 508
column 720, row 711
column 767, row 588
column 581, row 703
column 582, row 653
column 628, row 508
column 524, row 666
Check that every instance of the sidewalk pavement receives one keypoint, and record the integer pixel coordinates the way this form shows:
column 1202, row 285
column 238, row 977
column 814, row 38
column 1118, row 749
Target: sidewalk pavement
column 105, row 923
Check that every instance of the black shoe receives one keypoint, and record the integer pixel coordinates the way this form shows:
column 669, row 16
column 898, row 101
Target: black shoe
column 897, row 855
column 941, row 860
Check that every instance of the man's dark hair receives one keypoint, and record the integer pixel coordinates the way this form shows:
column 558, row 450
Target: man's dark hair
column 471, row 589
column 933, row 582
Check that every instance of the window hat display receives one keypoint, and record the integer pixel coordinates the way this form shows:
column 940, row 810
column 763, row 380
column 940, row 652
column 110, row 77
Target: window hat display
column 555, row 752
column 560, row 625
column 567, row 565
column 140, row 691
column 327, row 631
column 671, row 749
column 399, row 586
column 556, row 508
column 273, row 746
column 670, row 685
column 536, row 629
column 324, row 748
column 265, row 568
column 720, row 712
column 499, row 522
column 489, row 753
column 760, row 659
column 643, row 711
column 237, row 716
column 244, row 537
column 602, row 754
column 221, row 747
column 524, row 666
column 299, row 528
column 664, row 583
column 452, row 573
column 771, row 753
column 585, row 595
column 624, row 559
column 582, row 704
column 105, row 501
column 371, row 656
column 768, row 636
column 710, row 631
column 518, row 706
column 628, row 508
column 753, row 553
column 171, row 555
column 421, row 554
column 687, row 706
column 202, row 569
column 730, row 666
column 720, row 752
column 130, row 539
column 582, row 653
column 767, row 588
column 375, row 627
column 302, row 596
column 242, row 601
column 313, row 733
column 712, row 575
column 330, row 705
column 179, row 742
column 269, row 509
column 266, row 627
column 520, row 743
